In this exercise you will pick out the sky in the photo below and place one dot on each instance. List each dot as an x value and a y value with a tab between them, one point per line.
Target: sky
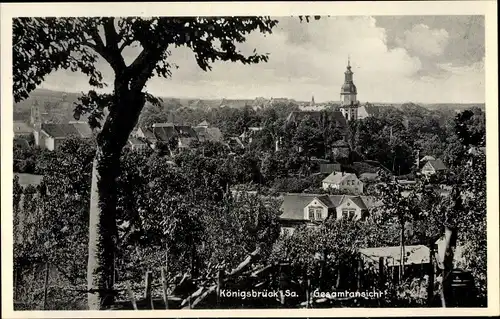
395	59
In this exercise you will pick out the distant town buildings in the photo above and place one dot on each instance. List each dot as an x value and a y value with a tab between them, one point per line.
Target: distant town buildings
348	104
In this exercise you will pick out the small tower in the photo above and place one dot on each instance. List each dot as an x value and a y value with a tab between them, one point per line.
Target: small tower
348	95
35	116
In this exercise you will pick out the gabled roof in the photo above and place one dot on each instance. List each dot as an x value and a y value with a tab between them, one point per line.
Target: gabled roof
204	123
427	158
148	133
21	128
165	124
164	133
437	164
293	204
362	112
135	141
83	128
358	202
328	168
337	177
208	133
325	200
60	130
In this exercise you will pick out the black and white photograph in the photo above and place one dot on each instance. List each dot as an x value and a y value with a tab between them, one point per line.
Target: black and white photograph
236	161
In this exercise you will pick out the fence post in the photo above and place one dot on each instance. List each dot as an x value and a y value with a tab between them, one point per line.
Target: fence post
147	291
280	283
381	274
45	285
131	296
219	285
165	287
360	269
430	284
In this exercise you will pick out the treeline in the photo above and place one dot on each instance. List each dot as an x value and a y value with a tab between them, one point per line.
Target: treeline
281	155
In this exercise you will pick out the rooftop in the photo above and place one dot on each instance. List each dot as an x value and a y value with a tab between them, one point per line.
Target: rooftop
29	179
293	204
337	177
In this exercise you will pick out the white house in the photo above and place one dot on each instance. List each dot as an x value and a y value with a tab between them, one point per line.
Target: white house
342	181
433	167
51	136
313	209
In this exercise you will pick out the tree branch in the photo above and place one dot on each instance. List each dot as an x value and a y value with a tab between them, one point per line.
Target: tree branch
125	43
112	40
110	34
109	51
142	68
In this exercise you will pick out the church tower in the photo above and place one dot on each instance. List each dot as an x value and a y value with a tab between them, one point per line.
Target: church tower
35	116
349	103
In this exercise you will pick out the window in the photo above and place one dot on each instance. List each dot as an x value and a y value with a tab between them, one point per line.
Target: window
348	213
311	213
315	213
318	215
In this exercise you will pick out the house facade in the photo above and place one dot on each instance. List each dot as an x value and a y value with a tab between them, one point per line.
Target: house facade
50	136
432	167
137	144
311	210
342	181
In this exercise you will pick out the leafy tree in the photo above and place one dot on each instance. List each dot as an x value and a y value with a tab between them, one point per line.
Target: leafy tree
243	223
76	44
308	137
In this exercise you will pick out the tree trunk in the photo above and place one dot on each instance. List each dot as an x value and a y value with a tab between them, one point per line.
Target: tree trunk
430	284
450	243
122	118
102	230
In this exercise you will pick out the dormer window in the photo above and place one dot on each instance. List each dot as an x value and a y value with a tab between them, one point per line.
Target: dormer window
315	213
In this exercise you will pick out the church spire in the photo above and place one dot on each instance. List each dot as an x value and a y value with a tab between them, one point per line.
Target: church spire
348	94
